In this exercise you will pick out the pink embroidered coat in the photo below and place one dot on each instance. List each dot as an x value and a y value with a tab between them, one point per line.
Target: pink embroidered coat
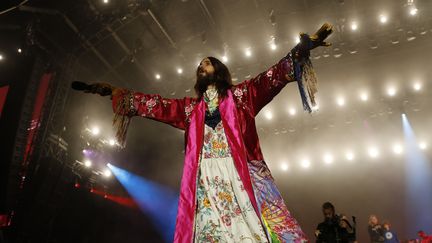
238	111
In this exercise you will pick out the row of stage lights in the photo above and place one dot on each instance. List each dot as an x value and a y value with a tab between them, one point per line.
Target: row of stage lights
341	101
328	158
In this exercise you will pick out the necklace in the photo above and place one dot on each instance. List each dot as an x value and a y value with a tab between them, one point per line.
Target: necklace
211	98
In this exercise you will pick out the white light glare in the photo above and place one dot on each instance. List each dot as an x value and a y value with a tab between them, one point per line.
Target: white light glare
248	52
224	58
112	142
292	111
397	149
422	145
364	96
19	50
179	70
305	163
284	166
87	163
349	155
340	101
268	115
373	152
417	86
95	131
1	57
383	19
391	91
157	76
273	46
107	173
413	11
354	26
297	39
328	158
105	1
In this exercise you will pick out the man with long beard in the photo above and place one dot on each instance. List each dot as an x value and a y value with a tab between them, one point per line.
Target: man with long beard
227	192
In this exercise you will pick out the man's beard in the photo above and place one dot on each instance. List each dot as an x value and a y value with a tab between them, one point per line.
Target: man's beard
204	81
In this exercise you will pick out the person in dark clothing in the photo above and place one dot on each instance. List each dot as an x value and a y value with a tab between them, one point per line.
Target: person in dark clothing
335	228
376	231
389	234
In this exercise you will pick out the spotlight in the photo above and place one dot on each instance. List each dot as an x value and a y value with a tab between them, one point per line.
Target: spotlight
112	142
354	26
397	149
349	155
373	152
383	19
305	163
422	145
364	96
87	163
248	52
95	131
413	11
328	158
292	111
107	173
224	58
340	101
273	46
268	115
19	50
391	91
179	70
105	1
1	57
284	166
157	76
417	86
297	39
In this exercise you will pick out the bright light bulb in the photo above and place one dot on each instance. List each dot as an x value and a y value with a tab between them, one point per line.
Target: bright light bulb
341	101
364	96
268	115
105	1
292	111
413	11
107	173
95	131
19	50
422	145
383	19
373	152
354	26
224	58
328	158
391	91
1	57
87	163
157	76
397	149
349	156
248	52
179	70
305	163
297	39
273	46
417	86
284	166
112	142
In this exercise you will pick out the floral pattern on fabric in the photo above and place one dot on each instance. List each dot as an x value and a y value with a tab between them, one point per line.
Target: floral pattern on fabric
215	143
281	226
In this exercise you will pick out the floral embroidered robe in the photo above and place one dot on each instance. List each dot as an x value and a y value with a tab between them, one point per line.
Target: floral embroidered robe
238	111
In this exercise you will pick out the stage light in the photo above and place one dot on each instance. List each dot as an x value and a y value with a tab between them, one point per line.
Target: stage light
397	149
417	86
87	163
354	26
268	115
284	166
179	70
107	172
95	131
248	52
340	101
422	145
373	152
19	50
297	39
224	58
273	46
383	19
105	1
112	142
292	111
1	57
328	158
305	163
349	156
157	76
364	96
391	91
413	11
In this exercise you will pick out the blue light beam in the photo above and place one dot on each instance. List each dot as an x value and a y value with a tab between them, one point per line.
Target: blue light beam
156	201
418	183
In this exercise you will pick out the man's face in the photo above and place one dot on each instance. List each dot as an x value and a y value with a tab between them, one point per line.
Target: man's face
328	213
205	68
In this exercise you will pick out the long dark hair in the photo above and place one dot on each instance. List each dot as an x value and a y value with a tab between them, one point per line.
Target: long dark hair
221	78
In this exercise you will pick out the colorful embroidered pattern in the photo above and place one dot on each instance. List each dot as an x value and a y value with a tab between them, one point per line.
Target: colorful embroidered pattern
215	142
